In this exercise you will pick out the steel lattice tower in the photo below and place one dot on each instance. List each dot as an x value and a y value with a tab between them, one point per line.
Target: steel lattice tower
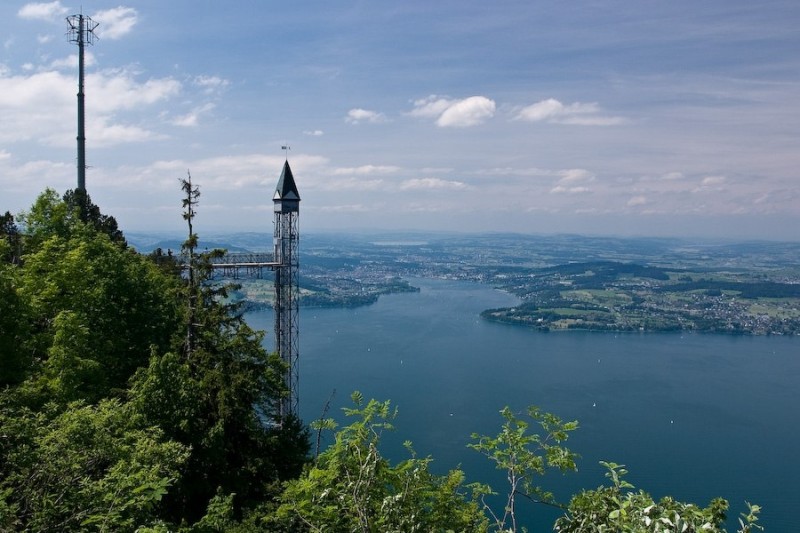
286	202
81	32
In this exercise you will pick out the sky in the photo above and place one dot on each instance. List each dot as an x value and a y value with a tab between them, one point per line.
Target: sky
645	118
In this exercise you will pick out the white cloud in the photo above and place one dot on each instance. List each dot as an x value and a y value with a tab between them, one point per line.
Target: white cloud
636	201
210	84
119	90
71	61
352	208
710	181
577	113
37	89
218	173
574	175
430	107
427	208
352	184
672	176
358	115
314	133
455	113
232	172
560	189
468	112
42	11
34	106
191	119
432	183
33	175
103	132
437	170
366	170
116	22
594	121
573	181
762	199
541	110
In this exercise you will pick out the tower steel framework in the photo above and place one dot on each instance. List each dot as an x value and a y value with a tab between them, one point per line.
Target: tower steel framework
286	265
286	202
81	32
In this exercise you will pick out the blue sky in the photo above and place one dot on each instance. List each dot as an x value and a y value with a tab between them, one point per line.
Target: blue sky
621	118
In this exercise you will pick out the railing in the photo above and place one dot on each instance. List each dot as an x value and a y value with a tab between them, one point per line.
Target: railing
243	264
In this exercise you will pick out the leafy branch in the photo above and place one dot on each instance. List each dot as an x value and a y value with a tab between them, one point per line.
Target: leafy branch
524	456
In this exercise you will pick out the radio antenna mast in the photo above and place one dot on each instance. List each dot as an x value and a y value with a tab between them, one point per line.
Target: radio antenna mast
81	31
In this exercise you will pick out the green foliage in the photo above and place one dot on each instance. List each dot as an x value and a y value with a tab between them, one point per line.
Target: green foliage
132	398
167	262
79	203
82	311
68	373
48	217
523	456
8	511
84	319
53	216
10	239
89	466
618	508
96	309
14	326
219	396
352	487
219	515
211	405
166	394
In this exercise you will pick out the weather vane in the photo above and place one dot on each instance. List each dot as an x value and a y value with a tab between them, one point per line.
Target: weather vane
286	149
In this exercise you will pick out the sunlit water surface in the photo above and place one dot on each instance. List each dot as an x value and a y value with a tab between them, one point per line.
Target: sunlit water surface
694	416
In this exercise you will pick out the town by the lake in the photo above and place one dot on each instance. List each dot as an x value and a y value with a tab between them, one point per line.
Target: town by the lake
563	282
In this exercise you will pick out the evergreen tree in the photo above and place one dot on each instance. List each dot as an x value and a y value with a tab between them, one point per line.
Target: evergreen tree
96	310
9	232
220	396
80	203
133	397
15	360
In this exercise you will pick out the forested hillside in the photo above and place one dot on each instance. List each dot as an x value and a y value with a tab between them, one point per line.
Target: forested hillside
133	398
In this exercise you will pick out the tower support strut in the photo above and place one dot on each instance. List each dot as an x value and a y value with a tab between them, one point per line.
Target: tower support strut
285	262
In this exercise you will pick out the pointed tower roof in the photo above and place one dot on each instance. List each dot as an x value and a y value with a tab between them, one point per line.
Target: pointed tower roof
286	189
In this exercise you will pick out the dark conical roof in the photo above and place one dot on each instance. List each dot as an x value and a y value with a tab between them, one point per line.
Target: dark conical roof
286	189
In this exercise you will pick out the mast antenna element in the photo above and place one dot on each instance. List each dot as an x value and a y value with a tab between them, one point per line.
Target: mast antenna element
81	32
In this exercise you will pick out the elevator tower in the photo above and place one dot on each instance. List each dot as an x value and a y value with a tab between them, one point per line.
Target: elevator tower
284	262
286	202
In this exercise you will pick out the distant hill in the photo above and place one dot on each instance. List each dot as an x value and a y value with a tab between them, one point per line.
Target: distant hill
233	242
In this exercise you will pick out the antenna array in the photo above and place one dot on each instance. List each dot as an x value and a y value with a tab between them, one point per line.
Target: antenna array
81	32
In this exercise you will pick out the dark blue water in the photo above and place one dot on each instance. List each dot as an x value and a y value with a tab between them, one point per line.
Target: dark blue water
693	416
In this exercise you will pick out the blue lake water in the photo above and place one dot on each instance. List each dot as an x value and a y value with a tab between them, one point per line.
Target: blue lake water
693	416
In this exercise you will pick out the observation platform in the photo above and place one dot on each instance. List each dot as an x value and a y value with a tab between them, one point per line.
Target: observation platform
243	264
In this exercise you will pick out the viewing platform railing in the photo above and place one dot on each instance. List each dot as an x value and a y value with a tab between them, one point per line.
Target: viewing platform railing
243	264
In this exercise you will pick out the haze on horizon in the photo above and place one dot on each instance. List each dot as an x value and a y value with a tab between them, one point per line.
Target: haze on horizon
621	118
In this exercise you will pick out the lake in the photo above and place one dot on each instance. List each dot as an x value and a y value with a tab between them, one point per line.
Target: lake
690	415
